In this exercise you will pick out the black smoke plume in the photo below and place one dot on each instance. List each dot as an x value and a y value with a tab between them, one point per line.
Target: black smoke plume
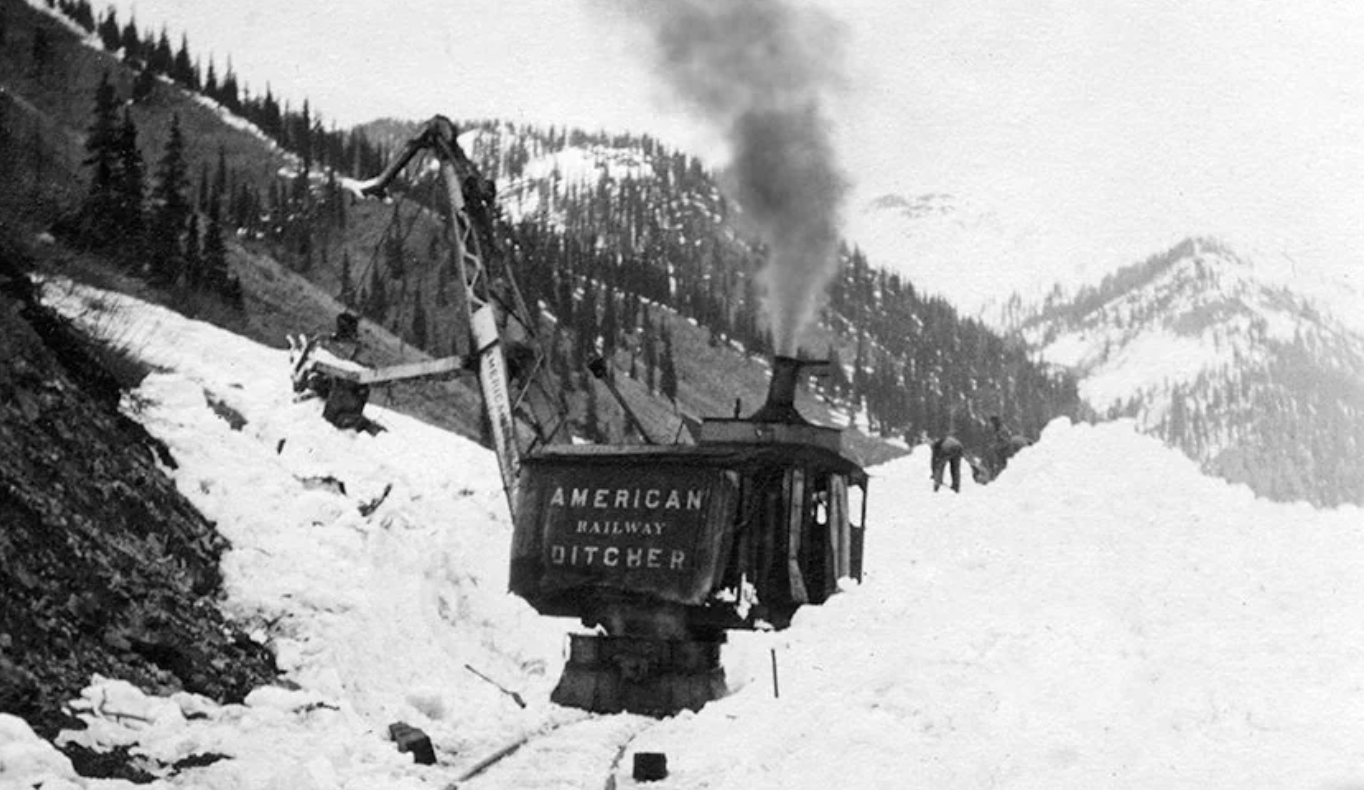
762	71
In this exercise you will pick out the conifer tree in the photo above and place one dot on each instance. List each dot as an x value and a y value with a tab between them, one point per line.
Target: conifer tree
216	275
211	84
276	210
838	378
160	58
631	319
610	323
171	211
234	294
592	426
109	34
647	340
201	200
563	295
227	92
338	196
419	332
129	186
8	149
668	369
182	68
305	251
250	209
376	300
39	154
194	255
587	325
97	221
83	15
859	376
219	186
131	42
264	110
144	84
304	138
347	295
395	259
558	361
41	51
300	196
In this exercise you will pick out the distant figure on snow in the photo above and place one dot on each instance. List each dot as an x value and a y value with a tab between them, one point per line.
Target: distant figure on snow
1004	445
947	453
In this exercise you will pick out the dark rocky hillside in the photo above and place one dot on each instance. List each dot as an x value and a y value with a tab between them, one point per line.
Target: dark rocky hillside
104	567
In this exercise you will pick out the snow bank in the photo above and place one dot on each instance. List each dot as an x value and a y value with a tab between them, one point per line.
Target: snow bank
1101	616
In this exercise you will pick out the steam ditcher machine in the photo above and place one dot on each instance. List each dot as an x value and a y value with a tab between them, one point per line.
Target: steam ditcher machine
659	549
664	548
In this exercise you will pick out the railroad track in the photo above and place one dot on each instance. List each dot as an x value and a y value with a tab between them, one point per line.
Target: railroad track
584	753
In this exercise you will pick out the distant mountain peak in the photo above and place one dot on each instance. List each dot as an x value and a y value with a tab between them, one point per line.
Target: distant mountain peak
946	244
1219	356
914	206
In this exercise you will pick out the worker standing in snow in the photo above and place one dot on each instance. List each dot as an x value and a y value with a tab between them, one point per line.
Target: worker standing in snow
947	454
1001	445
1004	445
343	400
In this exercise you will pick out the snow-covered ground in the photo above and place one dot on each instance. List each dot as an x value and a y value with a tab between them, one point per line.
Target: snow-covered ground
1101	617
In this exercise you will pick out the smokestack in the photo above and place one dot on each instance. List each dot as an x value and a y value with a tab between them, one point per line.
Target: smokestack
781	393
777	422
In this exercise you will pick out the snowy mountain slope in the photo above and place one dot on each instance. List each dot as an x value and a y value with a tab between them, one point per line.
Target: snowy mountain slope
548	173
577	168
1224	359
945	244
1101	616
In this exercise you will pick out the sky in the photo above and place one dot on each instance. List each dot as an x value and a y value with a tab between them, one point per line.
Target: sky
1095	134
1026	634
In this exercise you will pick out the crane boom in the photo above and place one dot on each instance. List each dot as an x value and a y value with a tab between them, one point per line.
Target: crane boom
485	341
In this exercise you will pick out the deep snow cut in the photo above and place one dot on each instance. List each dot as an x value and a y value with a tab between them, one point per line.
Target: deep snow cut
1100	616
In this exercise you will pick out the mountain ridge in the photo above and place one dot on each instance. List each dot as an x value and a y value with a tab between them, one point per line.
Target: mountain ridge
1249	378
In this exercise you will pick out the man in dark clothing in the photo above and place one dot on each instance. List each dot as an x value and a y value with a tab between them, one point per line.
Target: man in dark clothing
347	329
1001	432
343	400
947	453
1001	446
1004	445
